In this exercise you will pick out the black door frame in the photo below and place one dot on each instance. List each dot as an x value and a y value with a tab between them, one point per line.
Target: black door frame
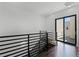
64	29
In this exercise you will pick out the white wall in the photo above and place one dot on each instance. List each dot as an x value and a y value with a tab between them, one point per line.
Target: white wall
16	21
68	11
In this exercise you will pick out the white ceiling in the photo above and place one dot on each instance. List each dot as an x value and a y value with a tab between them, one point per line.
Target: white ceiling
44	7
40	8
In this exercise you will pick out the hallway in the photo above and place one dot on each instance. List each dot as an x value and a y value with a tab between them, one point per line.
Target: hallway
61	50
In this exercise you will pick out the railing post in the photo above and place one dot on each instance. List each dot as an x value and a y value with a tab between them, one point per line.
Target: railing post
28	47
47	40
39	41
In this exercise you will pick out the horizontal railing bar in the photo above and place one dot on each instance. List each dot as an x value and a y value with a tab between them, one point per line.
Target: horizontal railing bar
20	54
16	52
13	43
31	51
36	33
33	39
12	50
33	47
12	46
13	36
12	39
33	44
20	35
25	56
34	53
33	36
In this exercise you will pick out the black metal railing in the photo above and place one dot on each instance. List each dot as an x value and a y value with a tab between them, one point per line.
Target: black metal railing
50	35
24	45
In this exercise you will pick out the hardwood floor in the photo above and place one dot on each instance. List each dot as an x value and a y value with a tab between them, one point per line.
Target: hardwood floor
61	50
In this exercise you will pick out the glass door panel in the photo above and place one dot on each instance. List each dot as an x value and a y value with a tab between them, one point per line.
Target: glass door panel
60	29
70	29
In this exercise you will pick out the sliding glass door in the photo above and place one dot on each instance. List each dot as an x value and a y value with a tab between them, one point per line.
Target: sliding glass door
66	29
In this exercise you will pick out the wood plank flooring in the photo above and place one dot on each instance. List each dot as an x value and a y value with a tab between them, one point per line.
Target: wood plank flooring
61	50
